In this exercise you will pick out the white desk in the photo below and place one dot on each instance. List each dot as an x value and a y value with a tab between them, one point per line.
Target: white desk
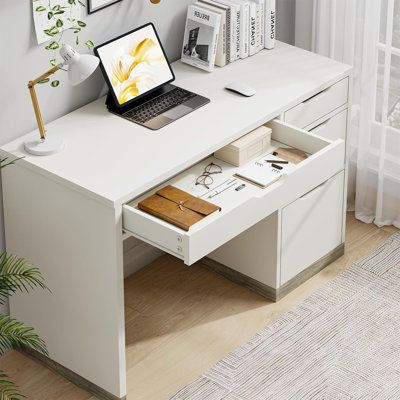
64	212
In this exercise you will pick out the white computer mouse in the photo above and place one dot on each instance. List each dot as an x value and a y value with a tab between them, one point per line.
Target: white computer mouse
241	88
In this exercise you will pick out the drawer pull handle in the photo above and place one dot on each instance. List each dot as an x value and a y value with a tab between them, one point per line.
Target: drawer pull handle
320	126
321	93
314	191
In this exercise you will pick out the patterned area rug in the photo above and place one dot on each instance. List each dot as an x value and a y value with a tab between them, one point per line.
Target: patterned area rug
343	342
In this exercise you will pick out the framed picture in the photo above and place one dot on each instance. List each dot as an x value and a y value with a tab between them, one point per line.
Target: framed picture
97	5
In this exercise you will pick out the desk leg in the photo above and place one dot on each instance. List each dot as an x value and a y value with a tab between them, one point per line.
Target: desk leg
76	242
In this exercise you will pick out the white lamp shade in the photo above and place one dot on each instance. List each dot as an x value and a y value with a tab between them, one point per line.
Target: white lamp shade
80	66
81	70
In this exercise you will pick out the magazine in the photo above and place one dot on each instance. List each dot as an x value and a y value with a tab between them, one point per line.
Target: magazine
221	58
201	37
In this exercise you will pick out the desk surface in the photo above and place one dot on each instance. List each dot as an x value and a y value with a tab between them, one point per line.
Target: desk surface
115	160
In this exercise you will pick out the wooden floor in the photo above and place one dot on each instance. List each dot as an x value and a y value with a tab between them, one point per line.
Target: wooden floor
180	321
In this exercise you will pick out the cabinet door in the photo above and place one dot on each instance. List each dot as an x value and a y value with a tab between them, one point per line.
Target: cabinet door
311	227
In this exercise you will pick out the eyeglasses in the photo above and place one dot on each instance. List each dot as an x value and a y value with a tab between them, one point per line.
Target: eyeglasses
206	178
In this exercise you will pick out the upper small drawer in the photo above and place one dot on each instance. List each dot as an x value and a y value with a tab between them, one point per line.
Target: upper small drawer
332	128
318	105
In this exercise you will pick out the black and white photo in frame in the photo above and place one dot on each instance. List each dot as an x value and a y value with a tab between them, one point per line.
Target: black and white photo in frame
97	5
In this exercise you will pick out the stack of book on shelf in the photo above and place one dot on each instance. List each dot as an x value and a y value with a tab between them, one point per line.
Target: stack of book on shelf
219	32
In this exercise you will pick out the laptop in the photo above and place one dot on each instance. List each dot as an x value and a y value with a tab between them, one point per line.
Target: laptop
139	77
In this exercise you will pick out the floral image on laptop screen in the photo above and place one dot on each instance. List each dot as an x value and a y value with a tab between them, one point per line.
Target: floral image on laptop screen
135	64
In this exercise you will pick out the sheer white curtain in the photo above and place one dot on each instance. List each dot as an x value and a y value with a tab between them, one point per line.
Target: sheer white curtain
365	34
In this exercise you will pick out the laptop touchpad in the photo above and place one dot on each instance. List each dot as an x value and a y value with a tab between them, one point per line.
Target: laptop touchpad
177	112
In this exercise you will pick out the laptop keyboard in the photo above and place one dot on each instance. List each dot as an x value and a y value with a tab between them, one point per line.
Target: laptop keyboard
159	105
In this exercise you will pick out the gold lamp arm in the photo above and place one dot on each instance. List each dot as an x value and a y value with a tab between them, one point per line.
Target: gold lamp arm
31	87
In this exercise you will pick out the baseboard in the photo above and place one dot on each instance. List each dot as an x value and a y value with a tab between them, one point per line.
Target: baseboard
76	379
138	257
239	278
313	269
265	290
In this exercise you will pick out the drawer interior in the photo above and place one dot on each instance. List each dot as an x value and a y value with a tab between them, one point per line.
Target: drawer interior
225	182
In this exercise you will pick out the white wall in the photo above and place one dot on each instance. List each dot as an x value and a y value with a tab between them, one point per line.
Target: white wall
303	23
22	59
286	14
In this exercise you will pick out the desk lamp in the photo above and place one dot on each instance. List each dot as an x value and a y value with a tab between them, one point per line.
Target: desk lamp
80	67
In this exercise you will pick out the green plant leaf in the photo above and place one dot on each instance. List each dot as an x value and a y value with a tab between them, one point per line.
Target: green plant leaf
53	62
50	15
72	2
44	81
81	24
55	83
40	8
15	334
52	46
8	389
77	40
59	12
89	44
59	23
51	31
17	274
56	8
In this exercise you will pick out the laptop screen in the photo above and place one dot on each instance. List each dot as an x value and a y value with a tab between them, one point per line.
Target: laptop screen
134	64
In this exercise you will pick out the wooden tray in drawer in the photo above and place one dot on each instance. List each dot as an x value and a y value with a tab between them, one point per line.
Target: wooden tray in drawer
240	209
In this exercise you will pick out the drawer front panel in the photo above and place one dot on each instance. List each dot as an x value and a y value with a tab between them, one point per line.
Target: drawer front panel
240	210
333	128
319	105
311	227
154	231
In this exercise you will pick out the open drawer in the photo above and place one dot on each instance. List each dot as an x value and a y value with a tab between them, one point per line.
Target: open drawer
239	209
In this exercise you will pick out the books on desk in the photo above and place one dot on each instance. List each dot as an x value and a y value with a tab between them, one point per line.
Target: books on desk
219	32
201	38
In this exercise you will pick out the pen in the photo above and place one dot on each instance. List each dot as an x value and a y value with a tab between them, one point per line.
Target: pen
276	166
222	190
227	182
277	161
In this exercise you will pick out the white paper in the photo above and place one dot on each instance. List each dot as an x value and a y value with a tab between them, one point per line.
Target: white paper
54	16
262	173
96	4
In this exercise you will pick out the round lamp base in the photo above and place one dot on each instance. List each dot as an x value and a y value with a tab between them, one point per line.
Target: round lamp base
44	147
